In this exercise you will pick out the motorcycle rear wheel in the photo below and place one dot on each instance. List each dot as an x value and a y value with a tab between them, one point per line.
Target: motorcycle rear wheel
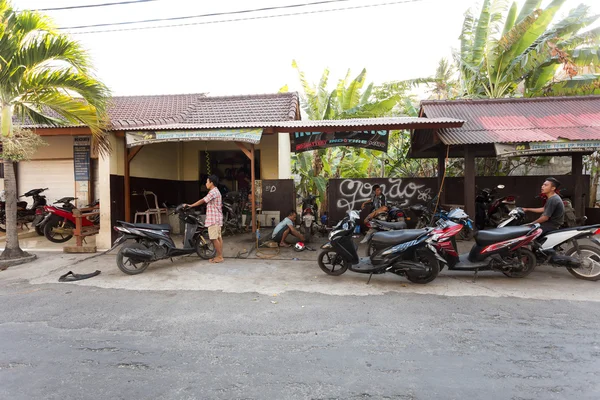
205	247
590	253
428	259
328	261
128	266
56	237
529	261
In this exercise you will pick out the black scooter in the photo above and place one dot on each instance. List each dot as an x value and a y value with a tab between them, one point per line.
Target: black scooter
152	242
24	214
405	253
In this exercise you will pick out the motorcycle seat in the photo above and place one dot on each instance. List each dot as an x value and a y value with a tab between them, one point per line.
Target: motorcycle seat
487	237
395	237
156	227
392	226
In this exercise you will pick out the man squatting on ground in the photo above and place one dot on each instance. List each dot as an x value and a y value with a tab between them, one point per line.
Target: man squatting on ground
553	211
214	215
284	228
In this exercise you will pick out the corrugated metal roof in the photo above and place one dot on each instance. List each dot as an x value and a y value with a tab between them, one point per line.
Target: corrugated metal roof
294	126
518	120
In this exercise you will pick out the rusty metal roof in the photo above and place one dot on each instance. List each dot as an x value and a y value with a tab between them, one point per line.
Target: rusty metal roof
310	125
517	120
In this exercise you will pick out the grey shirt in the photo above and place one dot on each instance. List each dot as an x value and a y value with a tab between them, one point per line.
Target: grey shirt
555	210
282	226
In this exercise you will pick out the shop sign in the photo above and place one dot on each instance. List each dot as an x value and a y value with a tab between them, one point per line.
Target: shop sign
307	141
223	135
82	147
536	148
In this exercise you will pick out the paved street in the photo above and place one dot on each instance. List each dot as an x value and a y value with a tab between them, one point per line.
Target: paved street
242	331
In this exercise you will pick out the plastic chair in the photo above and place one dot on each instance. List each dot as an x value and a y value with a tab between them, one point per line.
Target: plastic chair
156	211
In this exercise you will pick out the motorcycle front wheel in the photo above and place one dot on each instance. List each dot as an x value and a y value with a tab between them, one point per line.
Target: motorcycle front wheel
529	262
126	264
58	237
590	258
427	258
332	263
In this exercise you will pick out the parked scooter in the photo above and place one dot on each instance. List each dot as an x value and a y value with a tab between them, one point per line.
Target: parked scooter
59	226
405	253
147	243
561	248
500	249
459	216
25	215
232	213
489	210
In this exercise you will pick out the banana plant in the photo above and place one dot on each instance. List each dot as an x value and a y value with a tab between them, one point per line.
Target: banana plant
505	52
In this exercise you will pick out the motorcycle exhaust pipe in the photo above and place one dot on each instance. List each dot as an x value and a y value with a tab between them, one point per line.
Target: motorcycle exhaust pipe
410	266
560	260
138	255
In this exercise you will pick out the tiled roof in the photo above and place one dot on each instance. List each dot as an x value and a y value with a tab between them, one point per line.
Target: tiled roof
326	125
161	111
518	120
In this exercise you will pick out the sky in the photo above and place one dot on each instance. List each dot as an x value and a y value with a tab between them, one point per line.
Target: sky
393	42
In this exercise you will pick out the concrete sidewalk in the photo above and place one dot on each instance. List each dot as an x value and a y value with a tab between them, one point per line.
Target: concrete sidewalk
276	276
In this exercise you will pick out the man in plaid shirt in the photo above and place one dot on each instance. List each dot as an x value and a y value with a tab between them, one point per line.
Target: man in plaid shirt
214	215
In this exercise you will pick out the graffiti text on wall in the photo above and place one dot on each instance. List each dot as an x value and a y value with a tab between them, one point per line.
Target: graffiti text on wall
353	193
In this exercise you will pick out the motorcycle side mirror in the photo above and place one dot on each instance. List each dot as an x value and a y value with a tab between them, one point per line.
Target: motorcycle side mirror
500	186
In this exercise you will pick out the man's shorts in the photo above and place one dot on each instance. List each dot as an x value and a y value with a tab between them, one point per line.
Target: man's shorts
214	232
279	237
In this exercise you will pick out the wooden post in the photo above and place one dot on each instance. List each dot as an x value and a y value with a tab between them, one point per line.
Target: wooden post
77	233
441	171
253	197
250	155
127	188
469	181
129	156
577	172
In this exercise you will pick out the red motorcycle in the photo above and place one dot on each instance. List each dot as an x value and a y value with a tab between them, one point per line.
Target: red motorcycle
60	223
501	249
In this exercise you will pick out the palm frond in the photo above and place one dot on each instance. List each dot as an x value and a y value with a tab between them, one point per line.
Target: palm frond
528	8
511	18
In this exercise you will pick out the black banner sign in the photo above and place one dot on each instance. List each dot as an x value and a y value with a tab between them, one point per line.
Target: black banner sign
306	141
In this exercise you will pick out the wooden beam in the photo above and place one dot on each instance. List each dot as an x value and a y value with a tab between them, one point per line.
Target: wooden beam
578	195
469	178
131	153
245	149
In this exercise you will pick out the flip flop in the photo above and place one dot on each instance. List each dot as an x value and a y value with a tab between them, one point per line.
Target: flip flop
215	261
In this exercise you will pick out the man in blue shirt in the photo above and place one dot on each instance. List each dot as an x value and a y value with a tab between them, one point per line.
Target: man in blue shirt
284	228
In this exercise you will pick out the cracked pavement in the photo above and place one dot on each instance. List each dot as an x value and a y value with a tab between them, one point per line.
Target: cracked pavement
236	333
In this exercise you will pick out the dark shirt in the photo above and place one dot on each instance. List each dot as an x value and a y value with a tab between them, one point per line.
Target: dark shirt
378	201
555	210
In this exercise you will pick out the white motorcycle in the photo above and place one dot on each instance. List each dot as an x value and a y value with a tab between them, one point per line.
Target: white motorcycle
561	248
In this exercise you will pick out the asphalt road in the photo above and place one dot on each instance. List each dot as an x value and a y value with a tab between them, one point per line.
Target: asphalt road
63	341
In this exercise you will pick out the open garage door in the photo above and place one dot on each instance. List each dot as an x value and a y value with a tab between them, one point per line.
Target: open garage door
56	175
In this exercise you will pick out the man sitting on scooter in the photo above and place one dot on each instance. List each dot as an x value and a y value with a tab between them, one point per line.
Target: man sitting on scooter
378	204
553	211
284	228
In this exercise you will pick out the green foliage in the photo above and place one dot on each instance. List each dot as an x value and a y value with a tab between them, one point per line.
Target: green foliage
506	54
46	76
351	98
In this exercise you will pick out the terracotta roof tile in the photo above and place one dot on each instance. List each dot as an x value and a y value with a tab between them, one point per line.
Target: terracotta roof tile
193	109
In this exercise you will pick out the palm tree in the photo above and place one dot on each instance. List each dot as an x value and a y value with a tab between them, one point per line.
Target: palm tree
45	78
506	52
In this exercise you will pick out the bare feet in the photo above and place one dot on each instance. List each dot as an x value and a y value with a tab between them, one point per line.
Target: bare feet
216	260
284	245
